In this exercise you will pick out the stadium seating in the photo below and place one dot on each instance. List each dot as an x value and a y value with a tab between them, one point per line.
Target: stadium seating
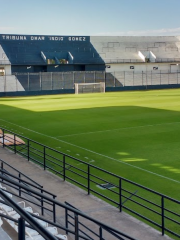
125	49
8	211
29	52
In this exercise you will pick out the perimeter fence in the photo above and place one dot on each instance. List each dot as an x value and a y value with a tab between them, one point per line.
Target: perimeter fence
44	81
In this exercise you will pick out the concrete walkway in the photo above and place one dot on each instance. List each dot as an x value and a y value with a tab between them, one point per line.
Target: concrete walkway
89	204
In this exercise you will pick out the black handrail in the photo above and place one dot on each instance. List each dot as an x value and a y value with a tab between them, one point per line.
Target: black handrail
25	216
3	162
39	187
64	206
60	162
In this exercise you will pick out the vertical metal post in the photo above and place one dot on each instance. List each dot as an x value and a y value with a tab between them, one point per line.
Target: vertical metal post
124	78
54	211
44	158
19	187
114	79
64	167
21	229
42	204
142	78
51	82
151	78
100	233
88	179
40	80
133	78
28	81
168	77
162	214
2	169
120	194
5	82
76	227
177	76
66	219
160	77
63	80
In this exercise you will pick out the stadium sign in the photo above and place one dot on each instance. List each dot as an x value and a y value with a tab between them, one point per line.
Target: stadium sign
42	38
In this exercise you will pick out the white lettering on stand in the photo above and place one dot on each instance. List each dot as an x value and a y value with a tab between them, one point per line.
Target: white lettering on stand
42	38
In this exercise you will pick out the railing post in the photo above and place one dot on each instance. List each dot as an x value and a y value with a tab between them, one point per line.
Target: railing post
21	229
42	204
162	214
177	76
160	77
151	78
142	78
76	227
64	167
168	77
19	187
100	233
44	158
54	211
88	179
120	194
2	169
28	83
66	219
28	149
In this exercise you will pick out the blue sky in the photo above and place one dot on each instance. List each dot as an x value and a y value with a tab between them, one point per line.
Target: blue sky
93	17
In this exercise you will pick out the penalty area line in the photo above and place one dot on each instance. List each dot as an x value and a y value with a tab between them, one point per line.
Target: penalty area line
117	129
102	155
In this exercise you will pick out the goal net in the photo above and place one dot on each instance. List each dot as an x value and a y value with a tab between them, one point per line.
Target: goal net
89	87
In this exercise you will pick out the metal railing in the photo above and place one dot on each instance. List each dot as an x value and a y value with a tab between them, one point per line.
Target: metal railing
156	209
24	217
64	81
5	168
79	217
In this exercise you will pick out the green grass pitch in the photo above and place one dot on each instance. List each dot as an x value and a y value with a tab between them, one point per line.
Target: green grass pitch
133	134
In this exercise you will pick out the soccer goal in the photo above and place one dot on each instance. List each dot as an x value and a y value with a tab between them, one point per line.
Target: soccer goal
89	87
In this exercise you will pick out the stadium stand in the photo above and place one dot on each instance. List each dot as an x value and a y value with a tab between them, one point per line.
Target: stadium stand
30	63
125	49
49	52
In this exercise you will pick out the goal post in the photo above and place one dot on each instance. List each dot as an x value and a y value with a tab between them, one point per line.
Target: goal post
89	87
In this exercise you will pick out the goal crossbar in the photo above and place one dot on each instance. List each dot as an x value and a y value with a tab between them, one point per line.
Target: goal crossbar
89	87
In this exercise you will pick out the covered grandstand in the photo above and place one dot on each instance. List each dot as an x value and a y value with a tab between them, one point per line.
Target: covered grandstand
46	63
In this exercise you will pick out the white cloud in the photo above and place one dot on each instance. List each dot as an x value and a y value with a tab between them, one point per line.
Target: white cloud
155	32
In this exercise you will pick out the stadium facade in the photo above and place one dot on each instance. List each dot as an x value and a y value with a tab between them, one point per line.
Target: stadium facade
119	56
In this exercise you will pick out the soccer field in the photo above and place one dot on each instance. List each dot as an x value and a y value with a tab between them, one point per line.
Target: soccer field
133	134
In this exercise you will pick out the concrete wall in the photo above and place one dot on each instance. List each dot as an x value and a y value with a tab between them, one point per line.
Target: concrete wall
138	67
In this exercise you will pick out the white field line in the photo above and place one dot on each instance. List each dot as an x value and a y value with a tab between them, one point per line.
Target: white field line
142	169
117	129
